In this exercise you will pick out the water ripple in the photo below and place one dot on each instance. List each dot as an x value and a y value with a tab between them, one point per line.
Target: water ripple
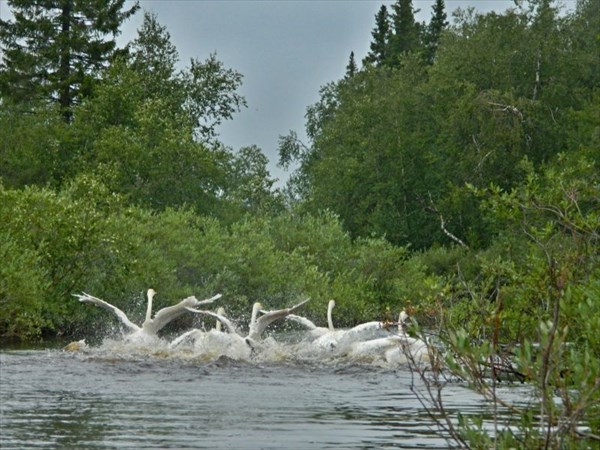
99	400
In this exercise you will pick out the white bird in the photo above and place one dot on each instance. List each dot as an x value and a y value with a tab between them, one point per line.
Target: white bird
330	338
196	333
216	343
396	349
151	326
314	330
257	324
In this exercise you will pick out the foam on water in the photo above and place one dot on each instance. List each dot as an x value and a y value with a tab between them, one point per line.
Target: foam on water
213	345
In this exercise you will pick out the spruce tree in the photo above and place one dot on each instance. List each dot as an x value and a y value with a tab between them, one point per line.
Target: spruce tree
406	31
351	68
54	49
154	57
434	30
379	46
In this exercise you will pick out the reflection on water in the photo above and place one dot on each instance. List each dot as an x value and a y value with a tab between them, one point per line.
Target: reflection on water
95	399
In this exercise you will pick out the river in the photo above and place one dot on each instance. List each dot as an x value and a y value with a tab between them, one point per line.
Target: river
112	396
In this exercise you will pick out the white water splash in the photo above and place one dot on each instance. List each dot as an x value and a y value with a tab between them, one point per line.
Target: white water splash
207	346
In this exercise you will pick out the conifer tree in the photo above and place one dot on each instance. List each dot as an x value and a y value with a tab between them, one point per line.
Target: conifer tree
351	68
206	91
153	52
379	46
405	36
434	30
54	49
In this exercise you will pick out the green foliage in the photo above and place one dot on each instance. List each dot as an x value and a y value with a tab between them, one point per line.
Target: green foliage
56	50
433	31
249	186
406	33
147	132
378	52
30	151
360	167
562	372
85	238
151	158
22	290
395	152
533	304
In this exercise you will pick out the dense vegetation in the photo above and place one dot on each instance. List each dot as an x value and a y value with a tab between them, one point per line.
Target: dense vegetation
455	173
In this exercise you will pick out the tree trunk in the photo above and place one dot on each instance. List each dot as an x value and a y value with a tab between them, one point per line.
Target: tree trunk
65	97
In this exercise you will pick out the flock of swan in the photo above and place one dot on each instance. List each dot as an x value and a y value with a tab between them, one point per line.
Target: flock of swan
368	341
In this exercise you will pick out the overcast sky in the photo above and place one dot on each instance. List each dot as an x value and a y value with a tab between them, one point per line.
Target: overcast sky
285	50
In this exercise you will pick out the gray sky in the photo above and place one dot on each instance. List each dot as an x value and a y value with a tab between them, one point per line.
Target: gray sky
286	50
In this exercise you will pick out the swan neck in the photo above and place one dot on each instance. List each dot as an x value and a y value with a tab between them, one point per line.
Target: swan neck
329	315
255	309
149	309
401	319
219	325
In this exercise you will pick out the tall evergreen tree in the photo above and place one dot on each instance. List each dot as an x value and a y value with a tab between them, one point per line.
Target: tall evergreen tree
152	51
379	46
351	68
405	36
434	30
203	95
54	49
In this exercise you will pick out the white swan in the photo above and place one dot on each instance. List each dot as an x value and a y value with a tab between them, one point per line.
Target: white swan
396	349
216	343
218	324
195	333
330	338
257	324
151	326
314	330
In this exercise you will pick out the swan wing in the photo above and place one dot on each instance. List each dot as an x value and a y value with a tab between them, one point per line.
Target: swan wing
329	340
178	340
166	315
87	298
367	326
302	321
257	328
208	301
362	329
374	345
224	320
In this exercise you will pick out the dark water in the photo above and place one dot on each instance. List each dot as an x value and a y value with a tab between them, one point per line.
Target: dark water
56	399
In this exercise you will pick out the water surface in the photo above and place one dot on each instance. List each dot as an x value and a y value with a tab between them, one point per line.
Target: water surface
101	398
